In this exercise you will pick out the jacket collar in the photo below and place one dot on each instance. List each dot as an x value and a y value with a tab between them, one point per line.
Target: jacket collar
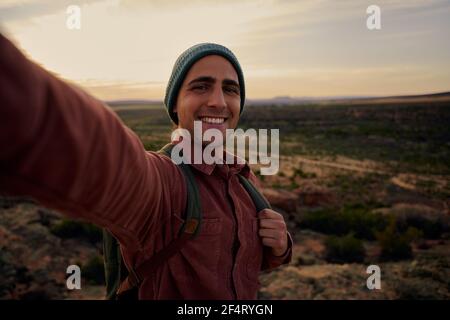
225	170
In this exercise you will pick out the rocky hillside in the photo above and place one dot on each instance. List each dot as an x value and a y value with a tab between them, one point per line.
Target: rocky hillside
37	245
35	251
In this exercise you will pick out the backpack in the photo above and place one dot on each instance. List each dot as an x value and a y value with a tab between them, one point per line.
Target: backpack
123	284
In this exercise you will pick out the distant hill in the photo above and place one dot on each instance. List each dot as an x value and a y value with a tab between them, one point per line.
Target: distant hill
113	103
441	96
287	100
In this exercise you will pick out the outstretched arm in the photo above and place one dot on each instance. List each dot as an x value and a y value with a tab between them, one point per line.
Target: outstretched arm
68	151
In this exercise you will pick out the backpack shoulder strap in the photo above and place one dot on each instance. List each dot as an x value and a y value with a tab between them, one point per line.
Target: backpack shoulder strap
189	229
117	280
258	199
193	210
115	270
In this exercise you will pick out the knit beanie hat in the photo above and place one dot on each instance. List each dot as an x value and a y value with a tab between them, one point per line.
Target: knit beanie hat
186	60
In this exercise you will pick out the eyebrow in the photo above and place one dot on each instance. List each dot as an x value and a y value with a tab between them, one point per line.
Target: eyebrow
213	80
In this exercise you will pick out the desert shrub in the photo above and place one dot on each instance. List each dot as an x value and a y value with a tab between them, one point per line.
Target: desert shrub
7	274
433	223
277	185
431	229
396	245
355	219
259	175
93	271
417	289
344	249
153	145
298	172
293	185
6	203
76	229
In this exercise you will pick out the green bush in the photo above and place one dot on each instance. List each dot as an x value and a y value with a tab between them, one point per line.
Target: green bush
344	249
259	175
277	185
76	229
355	219
431	229
153	145
293	185
298	172
93	271
418	289
394	244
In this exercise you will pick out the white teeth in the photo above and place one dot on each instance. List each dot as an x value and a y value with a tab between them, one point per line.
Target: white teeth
212	120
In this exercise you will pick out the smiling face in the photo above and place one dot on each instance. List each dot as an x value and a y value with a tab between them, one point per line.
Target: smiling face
209	93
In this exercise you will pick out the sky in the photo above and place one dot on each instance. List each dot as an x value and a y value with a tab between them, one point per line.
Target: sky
125	49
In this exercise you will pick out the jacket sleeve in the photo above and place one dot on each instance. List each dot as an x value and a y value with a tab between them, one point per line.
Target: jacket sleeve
269	260
70	152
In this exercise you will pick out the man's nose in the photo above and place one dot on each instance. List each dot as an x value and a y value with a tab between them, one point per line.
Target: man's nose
217	98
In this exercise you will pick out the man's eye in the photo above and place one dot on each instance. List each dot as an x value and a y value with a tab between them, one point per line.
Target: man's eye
200	87
231	89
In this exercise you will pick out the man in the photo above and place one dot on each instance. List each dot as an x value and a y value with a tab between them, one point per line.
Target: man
68	151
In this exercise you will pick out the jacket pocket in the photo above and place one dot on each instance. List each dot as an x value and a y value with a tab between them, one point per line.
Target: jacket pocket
199	256
208	227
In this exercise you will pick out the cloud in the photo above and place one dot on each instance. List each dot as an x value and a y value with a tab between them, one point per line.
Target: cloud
286	47
116	90
25	10
171	4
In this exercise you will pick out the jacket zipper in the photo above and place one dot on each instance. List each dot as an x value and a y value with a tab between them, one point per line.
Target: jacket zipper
234	246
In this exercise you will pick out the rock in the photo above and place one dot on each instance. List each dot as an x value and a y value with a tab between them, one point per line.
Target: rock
408	211
314	196
33	261
282	199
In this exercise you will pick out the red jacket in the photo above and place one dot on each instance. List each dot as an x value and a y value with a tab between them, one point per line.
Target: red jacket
71	153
